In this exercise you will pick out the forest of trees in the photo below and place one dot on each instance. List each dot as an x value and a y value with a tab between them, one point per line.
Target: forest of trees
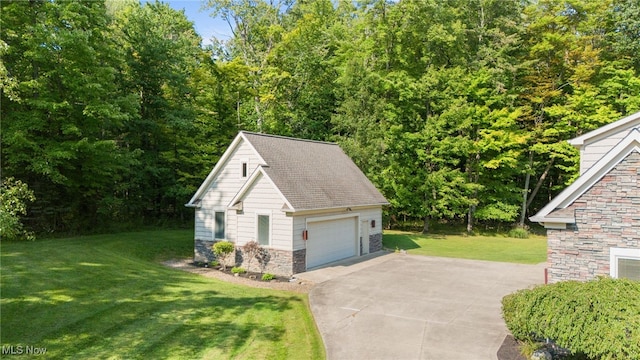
113	112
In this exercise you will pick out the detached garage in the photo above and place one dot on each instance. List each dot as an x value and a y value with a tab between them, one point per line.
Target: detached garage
305	202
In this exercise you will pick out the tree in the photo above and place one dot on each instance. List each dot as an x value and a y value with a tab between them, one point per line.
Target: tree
257	27
62	117
14	196
162	54
572	86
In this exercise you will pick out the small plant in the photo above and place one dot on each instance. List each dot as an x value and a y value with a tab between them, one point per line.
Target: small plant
215	263
251	250
519	233
267	277
223	250
238	270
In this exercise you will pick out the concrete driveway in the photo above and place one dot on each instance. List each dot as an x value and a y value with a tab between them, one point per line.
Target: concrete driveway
399	306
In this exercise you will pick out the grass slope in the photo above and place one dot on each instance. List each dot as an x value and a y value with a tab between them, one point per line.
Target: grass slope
491	248
107	296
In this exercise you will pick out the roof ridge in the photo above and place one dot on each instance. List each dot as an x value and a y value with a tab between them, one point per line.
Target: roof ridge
288	138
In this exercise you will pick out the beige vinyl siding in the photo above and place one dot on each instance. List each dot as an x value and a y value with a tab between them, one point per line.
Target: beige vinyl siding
262	198
300	222
204	224
232	226
222	189
595	150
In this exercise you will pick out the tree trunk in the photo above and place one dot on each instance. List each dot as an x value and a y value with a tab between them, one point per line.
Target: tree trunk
540	181
425	229
525	191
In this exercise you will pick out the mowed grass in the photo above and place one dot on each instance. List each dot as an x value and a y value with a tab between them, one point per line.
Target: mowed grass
491	248
108	296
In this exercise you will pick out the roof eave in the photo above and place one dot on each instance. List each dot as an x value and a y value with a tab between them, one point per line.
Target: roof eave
611	127
337	207
544	219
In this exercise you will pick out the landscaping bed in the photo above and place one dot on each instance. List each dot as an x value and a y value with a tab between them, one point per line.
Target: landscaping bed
248	278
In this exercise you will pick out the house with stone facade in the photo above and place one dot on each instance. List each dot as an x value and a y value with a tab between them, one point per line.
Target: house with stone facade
593	226
305	202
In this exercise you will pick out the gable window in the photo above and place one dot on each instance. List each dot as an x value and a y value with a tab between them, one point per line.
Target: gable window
244	168
219	225
625	263
264	229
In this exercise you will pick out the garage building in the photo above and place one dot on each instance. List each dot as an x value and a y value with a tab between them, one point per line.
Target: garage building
305	202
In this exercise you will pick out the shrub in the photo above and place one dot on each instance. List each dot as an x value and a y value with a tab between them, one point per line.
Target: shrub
14	196
519	233
223	250
238	270
599	318
267	277
251	251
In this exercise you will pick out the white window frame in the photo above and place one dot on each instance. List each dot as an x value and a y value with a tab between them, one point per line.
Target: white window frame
224	223
620	253
270	215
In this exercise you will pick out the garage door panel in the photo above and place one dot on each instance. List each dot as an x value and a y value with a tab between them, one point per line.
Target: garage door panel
331	240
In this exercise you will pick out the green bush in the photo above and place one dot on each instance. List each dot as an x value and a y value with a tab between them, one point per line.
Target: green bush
519	233
599	318
223	250
267	277
14	196
238	270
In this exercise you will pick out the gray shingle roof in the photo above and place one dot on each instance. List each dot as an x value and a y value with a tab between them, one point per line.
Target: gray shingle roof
313	174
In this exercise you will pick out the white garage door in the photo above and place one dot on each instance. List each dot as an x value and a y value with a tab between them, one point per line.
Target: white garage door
331	240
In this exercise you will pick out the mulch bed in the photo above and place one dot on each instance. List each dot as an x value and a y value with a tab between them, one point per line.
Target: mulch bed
510	350
247	279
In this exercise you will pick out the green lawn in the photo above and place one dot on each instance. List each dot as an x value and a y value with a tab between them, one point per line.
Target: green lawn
492	248
107	296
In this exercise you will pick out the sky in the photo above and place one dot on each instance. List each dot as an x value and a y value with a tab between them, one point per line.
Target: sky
205	25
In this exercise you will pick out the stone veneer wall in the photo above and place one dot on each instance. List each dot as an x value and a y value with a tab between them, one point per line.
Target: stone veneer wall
375	242
607	215
202	251
280	262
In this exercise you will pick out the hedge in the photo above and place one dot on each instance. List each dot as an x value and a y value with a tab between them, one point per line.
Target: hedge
599	318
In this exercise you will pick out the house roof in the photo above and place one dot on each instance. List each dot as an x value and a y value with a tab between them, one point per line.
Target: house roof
557	210
629	122
309	174
313	174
